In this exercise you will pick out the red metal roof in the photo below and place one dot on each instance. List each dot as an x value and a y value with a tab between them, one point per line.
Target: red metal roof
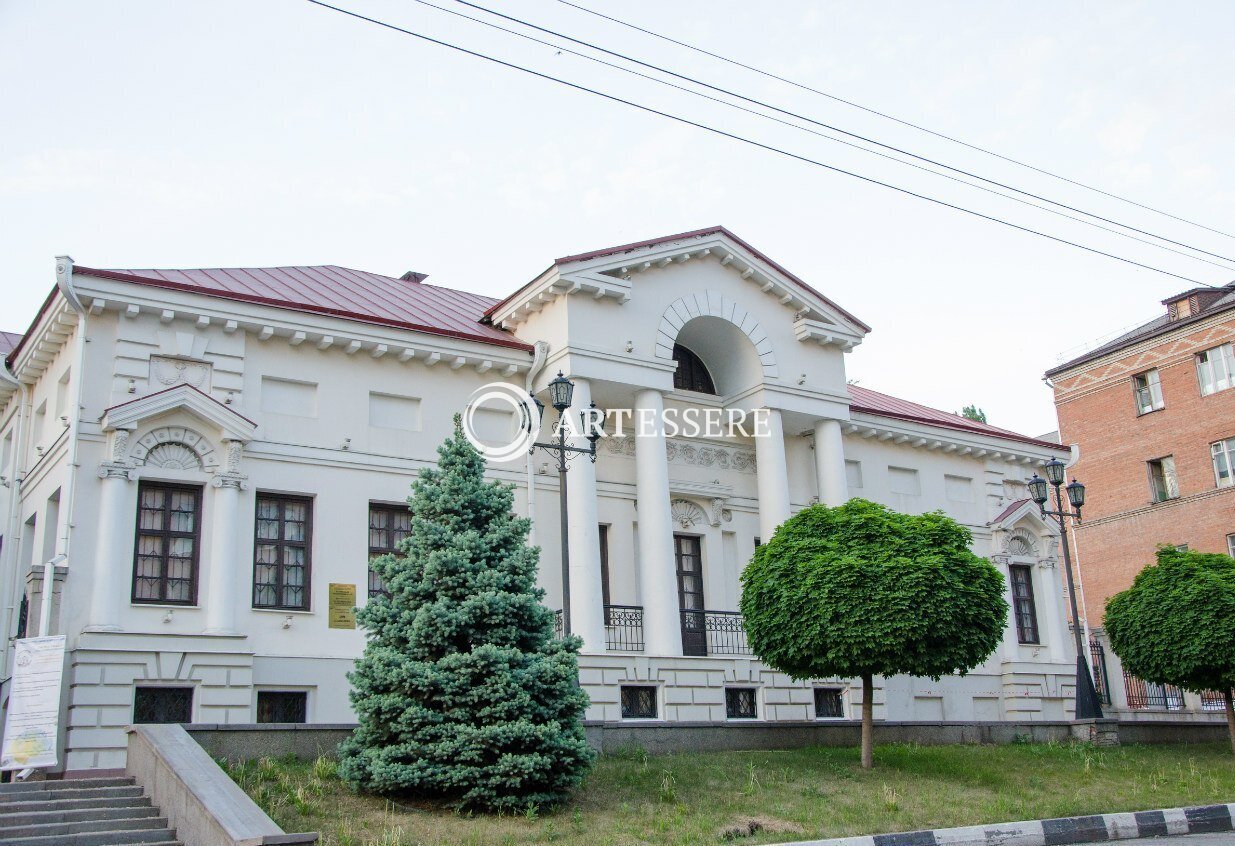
9	341
873	402
698	233
339	291
1007	512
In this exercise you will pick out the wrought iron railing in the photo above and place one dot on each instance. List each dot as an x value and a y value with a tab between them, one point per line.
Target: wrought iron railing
1213	700
624	628
713	633
557	623
1141	694
1097	658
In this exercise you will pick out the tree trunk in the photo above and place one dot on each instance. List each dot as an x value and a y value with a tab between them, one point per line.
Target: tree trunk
1230	716
868	720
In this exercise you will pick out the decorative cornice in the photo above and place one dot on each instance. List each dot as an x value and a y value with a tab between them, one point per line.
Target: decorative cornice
947	441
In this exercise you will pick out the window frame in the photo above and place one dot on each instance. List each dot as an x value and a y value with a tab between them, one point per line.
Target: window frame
1230	545
375	551
1227	446
166	534
303	696
1224	354
840	701
1148	382
307	544
655	701
1170	481
1025	619
192	694
731	696
691	374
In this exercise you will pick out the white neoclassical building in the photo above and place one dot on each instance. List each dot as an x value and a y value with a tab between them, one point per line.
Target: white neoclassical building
204	460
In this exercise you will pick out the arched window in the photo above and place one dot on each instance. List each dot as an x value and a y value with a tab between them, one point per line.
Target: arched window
691	374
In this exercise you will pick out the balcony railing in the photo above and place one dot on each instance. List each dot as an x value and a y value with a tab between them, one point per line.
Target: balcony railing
713	633
1142	694
623	627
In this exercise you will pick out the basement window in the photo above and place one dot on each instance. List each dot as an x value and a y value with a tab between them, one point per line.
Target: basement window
638	702
282	706
163	705
829	704
741	703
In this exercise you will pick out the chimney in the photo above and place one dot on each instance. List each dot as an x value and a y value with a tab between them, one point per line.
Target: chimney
413	276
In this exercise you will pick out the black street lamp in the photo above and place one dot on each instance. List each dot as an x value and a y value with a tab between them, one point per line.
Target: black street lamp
561	392
1087	705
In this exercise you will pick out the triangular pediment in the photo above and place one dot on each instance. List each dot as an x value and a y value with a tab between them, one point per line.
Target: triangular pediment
186	398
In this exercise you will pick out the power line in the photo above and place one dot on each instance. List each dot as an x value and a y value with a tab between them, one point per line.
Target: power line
893	118
782	121
735	137
834	128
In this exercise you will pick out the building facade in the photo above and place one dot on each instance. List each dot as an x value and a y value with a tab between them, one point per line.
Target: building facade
203	461
1152	420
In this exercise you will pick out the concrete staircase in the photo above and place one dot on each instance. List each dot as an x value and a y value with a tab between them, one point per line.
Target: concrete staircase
81	812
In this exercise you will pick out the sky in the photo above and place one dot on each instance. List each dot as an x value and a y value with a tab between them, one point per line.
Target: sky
233	133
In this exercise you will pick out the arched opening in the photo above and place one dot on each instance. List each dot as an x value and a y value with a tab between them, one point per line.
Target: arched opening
692	374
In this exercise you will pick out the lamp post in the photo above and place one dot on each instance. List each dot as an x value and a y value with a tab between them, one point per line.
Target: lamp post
1087	705
561	392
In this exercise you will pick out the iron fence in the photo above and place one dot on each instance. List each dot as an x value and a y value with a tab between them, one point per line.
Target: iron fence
1213	700
1143	695
713	633
1097	658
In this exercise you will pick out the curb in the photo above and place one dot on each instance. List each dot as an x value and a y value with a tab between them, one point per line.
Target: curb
1099	828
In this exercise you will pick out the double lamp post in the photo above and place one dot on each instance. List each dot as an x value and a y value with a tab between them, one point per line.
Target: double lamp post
1088	706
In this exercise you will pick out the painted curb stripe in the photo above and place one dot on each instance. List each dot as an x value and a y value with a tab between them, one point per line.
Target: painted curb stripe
907	838
1074	830
1151	824
1208	819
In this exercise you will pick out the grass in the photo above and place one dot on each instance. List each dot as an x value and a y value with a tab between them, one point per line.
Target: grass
633	798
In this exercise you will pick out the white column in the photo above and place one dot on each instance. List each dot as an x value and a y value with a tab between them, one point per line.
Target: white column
662	623
587	618
830	463
772	474
113	577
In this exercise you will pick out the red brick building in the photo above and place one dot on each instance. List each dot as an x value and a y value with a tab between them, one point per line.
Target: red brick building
1151	417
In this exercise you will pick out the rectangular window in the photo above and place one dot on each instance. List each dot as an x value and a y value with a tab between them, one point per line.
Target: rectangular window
1230	545
829	704
1162	482
165	552
904	480
1147	388
388	526
604	568
163	705
282	706
1215	369
638	702
1223	453
281	552
1023	604
741	703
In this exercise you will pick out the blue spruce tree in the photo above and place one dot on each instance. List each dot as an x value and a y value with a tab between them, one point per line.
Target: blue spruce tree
463	694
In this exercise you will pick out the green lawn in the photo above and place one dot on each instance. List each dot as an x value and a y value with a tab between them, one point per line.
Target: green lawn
709	797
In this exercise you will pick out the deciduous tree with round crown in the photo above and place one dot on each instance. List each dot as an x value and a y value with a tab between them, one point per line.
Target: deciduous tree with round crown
1176	624
860	590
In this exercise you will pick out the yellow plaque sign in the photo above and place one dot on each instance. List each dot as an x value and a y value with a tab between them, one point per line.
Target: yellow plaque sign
342	613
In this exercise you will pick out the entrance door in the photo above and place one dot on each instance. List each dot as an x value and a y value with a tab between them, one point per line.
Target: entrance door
687	551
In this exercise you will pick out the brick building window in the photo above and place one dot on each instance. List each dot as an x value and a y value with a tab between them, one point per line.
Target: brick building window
1223	453
1230	545
1215	369
1147	387
1162	482
1023	603
829	703
741	703
388	526
281	552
